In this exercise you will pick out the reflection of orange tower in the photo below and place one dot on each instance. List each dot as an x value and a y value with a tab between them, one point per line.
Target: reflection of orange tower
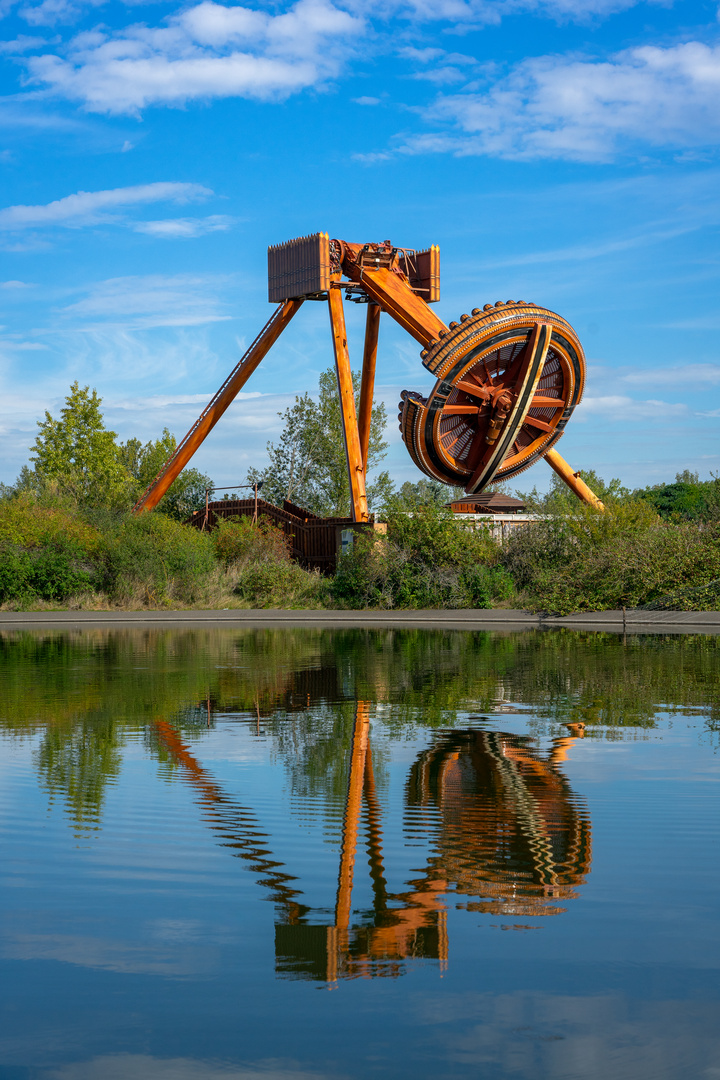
510	833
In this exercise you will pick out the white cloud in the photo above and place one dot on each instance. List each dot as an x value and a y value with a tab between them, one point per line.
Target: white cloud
184	228
152	300
21	44
465	14
15	285
366	100
622	408
21	346
91	207
560	107
688	375
206	51
163	401
441	76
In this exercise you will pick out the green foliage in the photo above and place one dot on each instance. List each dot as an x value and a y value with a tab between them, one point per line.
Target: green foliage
53	572
280	584
144	462
258	559
559	499
28	523
688	499
79	455
239	540
308	465
423	492
156	560
427	560
625	557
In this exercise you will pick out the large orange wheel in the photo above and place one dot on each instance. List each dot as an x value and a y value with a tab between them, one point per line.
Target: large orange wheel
508	380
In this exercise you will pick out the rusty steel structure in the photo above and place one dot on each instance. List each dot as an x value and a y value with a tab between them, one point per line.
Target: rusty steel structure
508	375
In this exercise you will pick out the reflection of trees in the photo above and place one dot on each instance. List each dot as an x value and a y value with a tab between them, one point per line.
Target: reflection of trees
77	761
88	689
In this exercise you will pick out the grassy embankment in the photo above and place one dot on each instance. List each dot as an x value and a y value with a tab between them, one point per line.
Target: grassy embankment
53	556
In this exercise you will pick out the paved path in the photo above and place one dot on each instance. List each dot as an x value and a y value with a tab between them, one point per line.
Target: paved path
643	622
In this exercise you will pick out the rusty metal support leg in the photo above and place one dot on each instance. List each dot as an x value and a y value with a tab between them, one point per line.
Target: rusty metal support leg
573	479
375	857
367	386
356	471
352	814
224	397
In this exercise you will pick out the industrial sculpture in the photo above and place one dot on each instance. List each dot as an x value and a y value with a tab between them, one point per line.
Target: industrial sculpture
508	375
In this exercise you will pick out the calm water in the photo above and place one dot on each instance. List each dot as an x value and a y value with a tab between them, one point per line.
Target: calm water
285	855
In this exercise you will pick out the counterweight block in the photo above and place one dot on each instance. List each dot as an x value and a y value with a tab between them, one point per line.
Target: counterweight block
508	380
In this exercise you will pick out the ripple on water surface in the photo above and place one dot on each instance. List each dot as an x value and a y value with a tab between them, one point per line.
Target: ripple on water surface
235	854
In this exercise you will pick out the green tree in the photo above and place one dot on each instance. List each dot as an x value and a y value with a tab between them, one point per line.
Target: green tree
559	499
144	462
424	493
688	499
78	455
308	465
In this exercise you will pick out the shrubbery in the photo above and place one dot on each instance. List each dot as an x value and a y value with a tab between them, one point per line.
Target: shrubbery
52	573
575	559
625	557
257	560
155	560
427	560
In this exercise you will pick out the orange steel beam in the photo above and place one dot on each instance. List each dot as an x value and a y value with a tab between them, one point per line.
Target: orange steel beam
573	479
224	397
234	823
394	295
356	468
352	814
367	385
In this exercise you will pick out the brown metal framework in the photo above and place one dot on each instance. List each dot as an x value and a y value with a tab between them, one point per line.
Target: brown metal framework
508	376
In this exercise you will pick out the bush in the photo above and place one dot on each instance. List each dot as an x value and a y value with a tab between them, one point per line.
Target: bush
239	540
625	557
54	572
280	584
27	523
427	560
155	559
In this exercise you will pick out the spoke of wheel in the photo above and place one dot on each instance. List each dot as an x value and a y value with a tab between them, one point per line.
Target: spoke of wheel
447	448
541	401
478	392
461	410
542	424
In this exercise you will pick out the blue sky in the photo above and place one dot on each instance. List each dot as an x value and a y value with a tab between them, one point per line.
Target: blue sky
559	151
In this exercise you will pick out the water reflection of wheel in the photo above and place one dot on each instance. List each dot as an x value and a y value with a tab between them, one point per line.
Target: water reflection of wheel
511	831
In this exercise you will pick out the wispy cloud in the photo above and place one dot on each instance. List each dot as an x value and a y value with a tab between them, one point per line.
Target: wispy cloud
583	110
464	14
691	374
185	228
21	346
91	207
619	407
152	300
206	51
